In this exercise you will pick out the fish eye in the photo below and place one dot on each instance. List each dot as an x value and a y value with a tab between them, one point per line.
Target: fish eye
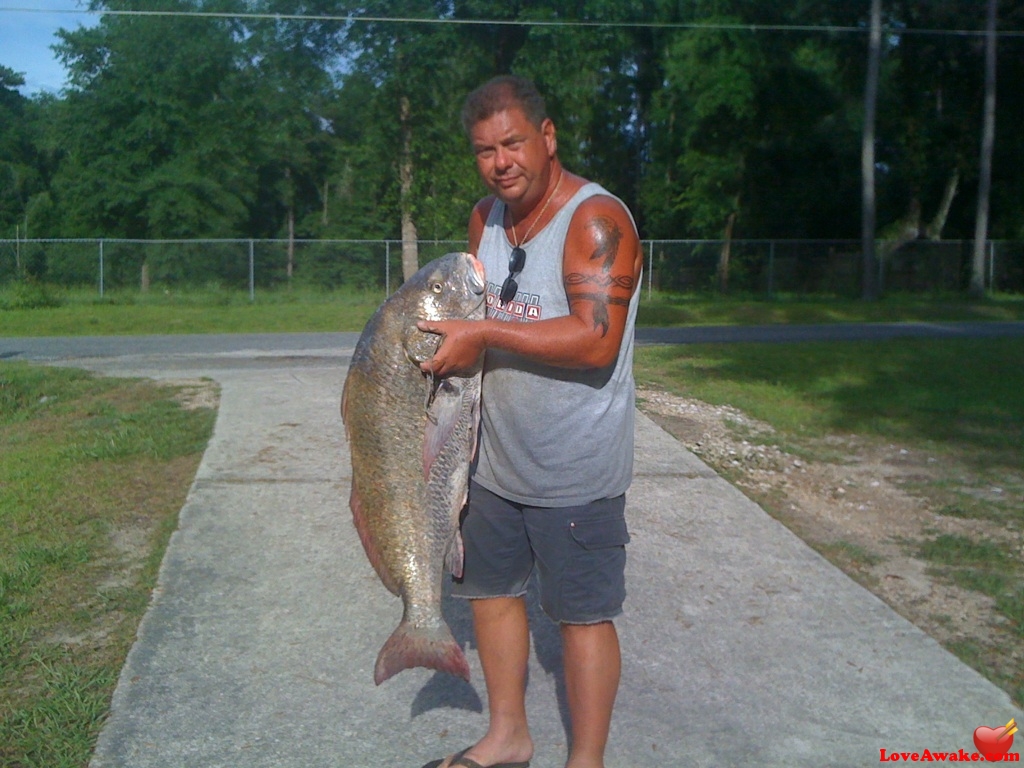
436	287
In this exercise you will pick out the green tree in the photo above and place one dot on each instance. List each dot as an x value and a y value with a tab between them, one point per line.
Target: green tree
155	131
585	74
419	78
20	177
1007	220
190	127
924	140
292	62
714	110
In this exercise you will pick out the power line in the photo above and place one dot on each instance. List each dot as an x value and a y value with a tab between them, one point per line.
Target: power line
350	19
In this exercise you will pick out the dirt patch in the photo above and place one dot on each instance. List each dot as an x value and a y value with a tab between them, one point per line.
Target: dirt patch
194	394
869	507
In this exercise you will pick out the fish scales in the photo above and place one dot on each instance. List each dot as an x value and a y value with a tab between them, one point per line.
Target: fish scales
411	440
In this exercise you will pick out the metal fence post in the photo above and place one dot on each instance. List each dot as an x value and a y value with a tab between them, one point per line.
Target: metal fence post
992	266
881	273
650	268
688	261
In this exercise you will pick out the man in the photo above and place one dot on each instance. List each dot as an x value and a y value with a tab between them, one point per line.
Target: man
563	263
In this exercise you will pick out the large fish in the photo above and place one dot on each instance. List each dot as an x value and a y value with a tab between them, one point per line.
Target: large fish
412	438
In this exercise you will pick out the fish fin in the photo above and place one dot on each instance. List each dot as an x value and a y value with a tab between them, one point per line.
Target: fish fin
453	559
410	646
355	503
419	345
442	418
474	430
433	383
344	406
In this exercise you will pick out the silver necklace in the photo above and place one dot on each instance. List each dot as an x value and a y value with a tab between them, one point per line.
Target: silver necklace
516	243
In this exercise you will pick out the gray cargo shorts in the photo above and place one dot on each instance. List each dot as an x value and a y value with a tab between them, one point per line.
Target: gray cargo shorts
579	553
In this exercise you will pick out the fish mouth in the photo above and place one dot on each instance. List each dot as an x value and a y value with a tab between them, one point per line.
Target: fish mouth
477	283
479	303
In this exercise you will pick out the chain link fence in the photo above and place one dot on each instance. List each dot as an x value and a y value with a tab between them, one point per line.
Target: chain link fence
754	267
115	264
830	267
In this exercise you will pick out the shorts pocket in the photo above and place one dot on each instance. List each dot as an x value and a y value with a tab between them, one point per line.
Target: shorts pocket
600	532
593	585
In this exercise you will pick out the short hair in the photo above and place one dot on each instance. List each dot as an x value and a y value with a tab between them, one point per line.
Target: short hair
499	94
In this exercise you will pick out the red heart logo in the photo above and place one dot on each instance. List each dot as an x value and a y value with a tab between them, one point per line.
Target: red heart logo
993	743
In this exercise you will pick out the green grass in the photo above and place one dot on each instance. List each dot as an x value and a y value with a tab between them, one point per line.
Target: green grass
1012	606
967	392
851	555
950	549
39	310
960	400
663	309
84	313
980	566
88	464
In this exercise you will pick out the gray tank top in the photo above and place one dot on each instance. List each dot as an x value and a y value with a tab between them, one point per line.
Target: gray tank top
550	437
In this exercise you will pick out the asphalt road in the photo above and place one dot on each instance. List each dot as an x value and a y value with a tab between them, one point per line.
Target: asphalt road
182	348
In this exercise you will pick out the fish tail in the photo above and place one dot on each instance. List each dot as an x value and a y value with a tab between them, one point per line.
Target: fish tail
411	646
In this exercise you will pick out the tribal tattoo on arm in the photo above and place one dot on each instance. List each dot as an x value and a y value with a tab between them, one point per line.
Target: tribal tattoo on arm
607	235
598	288
601	300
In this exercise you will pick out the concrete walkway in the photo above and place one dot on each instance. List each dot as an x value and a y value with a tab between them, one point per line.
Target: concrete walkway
741	646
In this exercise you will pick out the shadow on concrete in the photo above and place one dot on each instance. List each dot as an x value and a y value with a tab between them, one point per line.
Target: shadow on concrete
444	691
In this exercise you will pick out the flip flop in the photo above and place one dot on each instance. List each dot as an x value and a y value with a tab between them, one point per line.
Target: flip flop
459	760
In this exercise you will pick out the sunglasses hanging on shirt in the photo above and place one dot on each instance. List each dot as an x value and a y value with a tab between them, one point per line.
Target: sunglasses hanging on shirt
516	262
517	259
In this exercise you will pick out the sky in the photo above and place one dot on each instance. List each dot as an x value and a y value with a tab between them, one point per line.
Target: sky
26	37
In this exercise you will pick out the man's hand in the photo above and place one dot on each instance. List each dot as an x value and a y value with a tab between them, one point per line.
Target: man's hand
461	346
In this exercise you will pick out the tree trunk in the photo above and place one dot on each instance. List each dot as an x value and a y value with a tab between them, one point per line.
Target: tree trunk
934	229
899	233
723	257
410	252
867	156
324	219
988	138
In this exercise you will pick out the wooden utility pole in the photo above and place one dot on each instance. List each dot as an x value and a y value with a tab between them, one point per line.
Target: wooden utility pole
410	245
867	156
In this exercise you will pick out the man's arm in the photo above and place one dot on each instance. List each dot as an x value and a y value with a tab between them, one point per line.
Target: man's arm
477	222
601	269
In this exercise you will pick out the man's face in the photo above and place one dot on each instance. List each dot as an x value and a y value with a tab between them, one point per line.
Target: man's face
513	156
